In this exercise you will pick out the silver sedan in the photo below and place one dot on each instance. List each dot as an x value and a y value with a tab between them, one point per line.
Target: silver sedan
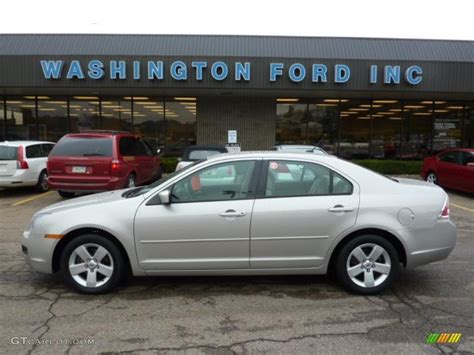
247	214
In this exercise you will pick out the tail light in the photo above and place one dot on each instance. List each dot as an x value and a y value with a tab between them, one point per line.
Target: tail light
115	166
21	163
445	210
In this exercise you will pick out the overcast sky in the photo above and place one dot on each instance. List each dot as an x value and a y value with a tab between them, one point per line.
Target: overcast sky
447	19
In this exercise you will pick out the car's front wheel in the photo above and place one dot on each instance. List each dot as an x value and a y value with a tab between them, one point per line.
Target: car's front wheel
432	177
367	264
92	264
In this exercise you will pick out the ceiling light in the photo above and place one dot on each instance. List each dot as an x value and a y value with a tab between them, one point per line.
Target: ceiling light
396	109
422	113
359	109
28	106
46	109
385	113
414	106
332	100
441	110
136	98
185	98
39	97
455	107
324	105
384	101
14	102
288	100
86	97
435	102
395	118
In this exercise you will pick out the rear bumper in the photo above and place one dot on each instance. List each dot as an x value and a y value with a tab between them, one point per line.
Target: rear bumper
19	178
86	184
427	246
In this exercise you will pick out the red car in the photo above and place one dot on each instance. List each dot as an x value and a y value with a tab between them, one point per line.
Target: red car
96	161
452	168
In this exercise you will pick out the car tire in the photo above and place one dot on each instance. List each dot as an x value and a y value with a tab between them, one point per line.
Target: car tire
131	181
65	194
362	272
42	185
432	177
102	272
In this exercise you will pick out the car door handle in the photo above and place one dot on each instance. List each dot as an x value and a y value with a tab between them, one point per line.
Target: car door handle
232	213
340	208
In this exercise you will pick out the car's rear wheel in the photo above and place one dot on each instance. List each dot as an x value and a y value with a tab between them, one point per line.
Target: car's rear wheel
432	177
92	264
367	264
42	185
65	194
131	181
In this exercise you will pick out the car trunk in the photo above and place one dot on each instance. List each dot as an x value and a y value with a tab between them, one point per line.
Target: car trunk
80	166
8	161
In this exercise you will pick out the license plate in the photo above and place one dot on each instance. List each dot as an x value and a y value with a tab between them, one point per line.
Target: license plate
79	169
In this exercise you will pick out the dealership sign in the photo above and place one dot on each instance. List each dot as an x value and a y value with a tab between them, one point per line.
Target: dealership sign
219	71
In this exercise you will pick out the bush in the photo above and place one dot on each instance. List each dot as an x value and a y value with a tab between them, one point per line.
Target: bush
392	167
169	164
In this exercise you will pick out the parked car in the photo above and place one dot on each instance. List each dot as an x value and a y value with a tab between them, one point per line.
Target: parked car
197	152
96	161
293	148
452	168
23	163
231	214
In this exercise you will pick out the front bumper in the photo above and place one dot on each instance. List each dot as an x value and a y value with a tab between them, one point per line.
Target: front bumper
429	245
38	251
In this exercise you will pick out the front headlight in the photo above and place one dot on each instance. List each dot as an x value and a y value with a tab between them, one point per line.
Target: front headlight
34	221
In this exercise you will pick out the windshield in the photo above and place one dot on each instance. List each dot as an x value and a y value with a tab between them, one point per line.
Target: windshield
144	189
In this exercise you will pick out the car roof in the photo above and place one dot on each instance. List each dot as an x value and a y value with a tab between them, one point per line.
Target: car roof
272	154
206	147
470	150
99	134
295	145
23	143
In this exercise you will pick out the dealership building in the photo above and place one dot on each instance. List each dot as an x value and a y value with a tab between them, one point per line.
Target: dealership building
355	97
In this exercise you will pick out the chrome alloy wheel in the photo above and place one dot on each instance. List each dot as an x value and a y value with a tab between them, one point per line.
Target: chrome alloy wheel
368	265
432	178
91	265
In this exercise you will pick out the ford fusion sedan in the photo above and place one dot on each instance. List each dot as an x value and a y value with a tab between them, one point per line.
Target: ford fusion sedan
261	213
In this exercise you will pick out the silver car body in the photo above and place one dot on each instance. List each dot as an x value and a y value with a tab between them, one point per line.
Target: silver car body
294	148
289	235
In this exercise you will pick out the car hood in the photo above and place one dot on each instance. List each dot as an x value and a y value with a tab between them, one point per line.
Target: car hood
86	201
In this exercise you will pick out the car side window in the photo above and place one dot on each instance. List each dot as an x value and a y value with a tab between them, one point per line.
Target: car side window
34	151
46	149
226	181
450	157
143	149
467	158
126	146
291	178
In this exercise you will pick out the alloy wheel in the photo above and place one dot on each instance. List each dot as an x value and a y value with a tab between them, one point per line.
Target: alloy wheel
432	178
44	182
91	265
368	265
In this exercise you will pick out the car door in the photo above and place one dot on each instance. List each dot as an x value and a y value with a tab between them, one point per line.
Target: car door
207	224
300	208
448	166
36	160
466	172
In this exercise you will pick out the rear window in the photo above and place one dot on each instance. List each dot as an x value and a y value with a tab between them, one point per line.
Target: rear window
202	154
83	147
8	153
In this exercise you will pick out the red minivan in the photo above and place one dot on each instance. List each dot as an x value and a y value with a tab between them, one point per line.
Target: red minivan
96	161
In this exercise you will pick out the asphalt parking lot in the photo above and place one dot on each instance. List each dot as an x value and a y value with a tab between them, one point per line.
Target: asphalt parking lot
287	314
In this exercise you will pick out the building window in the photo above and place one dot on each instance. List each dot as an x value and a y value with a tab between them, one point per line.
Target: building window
323	119
52	118
292	123
447	121
84	113
355	129
149	120
417	129
21	118
3	133
469	125
116	114
180	120
386	129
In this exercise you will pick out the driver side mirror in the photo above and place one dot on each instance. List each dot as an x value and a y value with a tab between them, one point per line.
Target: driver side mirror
165	196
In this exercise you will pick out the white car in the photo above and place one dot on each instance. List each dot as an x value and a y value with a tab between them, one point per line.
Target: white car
23	163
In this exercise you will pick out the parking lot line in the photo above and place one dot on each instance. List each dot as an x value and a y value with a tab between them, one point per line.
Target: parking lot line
462	207
31	198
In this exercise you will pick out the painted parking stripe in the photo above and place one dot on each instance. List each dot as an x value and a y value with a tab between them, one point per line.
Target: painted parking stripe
461	207
31	198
